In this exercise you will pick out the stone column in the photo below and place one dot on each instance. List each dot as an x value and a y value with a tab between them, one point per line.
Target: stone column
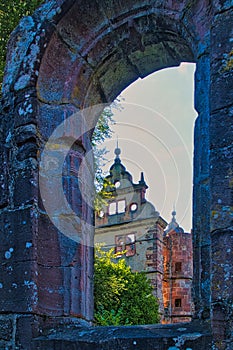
201	191
44	272
221	174
45	275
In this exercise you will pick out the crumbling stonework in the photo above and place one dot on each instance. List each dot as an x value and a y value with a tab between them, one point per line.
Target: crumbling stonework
63	59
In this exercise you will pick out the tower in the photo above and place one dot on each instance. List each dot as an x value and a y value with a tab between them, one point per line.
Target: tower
129	222
178	273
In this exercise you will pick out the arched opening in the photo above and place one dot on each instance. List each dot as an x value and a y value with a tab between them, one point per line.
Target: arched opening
154	126
76	74
159	144
63	60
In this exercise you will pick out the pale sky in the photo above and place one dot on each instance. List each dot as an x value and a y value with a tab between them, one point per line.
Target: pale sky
155	132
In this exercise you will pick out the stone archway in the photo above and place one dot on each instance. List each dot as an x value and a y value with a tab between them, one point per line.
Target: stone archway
64	59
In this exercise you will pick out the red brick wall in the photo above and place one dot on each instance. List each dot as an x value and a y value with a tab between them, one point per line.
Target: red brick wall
177	281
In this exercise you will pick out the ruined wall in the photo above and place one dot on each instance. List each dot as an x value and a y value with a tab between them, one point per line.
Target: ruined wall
221	190
64	59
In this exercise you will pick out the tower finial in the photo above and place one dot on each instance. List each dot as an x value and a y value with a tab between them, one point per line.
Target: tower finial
142	181
174	214
117	151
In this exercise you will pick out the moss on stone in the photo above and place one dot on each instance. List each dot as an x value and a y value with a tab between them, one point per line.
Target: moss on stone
228	62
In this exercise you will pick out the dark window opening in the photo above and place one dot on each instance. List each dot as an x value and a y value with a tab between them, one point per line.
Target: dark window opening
177	302
178	267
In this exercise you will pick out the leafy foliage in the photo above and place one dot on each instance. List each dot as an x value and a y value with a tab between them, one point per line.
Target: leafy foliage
101	133
11	11
121	296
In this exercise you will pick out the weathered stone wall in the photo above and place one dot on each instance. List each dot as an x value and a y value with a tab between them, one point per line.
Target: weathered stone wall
221	183
63	59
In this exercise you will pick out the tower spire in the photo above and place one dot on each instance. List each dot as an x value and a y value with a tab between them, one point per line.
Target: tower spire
117	152
142	181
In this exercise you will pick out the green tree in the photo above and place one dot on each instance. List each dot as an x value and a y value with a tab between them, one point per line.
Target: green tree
102	132
121	297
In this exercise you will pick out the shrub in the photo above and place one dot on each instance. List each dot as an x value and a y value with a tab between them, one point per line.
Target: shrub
122	297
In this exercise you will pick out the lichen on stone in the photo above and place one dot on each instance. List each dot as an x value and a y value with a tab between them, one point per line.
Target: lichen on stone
228	62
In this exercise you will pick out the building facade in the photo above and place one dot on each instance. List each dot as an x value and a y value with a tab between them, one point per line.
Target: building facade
128	222
177	274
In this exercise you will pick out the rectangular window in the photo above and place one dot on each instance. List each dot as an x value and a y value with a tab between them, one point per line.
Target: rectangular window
130	238
126	243
130	249
121	206
120	240
120	244
117	207
178	267
177	302
112	208
119	249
